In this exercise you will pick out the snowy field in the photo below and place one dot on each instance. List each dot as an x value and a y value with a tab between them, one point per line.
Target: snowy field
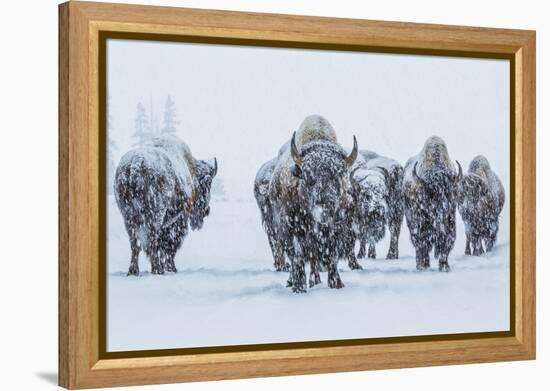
226	292
240	104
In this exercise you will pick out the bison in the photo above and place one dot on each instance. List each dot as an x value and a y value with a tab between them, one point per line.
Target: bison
261	193
309	198
429	194
480	201
376	190
161	190
367	213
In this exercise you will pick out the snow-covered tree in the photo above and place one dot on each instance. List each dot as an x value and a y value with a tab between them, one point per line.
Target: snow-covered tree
142	127
170	119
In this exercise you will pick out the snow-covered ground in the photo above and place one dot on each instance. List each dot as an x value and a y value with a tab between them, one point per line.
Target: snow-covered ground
227	293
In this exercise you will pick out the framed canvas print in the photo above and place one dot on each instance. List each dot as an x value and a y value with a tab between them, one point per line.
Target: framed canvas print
248	195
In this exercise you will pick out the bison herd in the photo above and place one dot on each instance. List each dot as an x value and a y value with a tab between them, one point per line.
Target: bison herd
317	199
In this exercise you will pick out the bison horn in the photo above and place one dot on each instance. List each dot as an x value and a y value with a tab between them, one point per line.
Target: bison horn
353	155
294	150
460	175
385	172
415	175
351	175
215	169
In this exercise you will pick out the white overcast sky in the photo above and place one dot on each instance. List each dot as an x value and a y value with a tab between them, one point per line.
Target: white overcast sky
241	103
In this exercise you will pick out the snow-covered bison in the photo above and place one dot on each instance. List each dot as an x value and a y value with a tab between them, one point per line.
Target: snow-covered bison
261	193
160	190
376	183
309	197
480	201
429	194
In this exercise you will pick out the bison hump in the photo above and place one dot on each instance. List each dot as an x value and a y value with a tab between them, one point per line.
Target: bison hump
314	127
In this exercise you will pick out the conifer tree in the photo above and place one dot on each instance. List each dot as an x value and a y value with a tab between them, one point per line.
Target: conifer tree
142	127
170	118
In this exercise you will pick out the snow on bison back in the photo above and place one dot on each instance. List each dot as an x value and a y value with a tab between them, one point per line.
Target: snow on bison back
160	190
480	201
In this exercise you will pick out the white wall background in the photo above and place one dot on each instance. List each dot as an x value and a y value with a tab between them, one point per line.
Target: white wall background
28	207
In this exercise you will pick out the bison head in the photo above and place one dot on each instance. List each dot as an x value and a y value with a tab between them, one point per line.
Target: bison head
321	168
205	173
475	197
368	188
439	187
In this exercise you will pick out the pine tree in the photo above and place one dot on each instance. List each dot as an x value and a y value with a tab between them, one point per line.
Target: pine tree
142	127
170	119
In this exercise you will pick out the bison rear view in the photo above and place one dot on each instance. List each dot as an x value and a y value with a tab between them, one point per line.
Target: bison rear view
161	191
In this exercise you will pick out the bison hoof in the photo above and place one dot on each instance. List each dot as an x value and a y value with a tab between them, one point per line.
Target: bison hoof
421	267
289	283
133	272
157	270
335	284
444	267
355	266
282	268
392	256
299	289
171	269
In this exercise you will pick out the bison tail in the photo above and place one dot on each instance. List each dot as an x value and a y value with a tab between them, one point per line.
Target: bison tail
131	187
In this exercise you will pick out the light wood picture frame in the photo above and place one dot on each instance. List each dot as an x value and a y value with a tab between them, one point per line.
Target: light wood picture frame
83	30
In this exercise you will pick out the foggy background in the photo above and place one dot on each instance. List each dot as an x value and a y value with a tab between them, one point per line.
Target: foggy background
241	103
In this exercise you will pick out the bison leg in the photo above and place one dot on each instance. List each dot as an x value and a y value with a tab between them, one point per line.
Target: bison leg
157	265
395	230
427	260
421	238
334	280
490	243
467	251
314	276
444	264
353	264
393	252
362	249
170	266
419	261
491	240
133	270
422	259
477	246
372	251
297	278
350	255
278	253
